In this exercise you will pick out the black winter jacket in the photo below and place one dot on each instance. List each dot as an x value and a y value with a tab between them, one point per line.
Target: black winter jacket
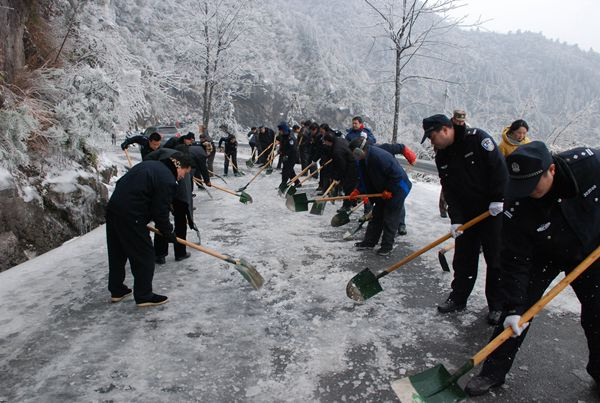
145	194
561	228
287	149
142	141
344	166
473	173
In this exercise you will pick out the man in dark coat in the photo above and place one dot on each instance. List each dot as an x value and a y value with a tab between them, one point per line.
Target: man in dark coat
551	223
473	175
185	139
230	151
343	166
380	172
142	195
288	153
211	150
253	142
147	144
266	136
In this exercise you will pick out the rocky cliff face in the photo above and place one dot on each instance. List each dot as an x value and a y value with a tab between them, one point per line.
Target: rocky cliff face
13	14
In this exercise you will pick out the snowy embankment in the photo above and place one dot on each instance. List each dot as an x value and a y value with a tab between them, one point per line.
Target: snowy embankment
297	339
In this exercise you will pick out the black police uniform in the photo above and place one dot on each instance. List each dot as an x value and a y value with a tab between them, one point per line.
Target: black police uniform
343	167
142	195
289	157
541	238
473	174
142	141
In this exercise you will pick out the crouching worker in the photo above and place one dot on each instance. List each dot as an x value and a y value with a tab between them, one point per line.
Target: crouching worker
551	223
142	195
380	172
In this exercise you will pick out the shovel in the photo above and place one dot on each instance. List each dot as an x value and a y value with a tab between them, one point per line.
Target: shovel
319	207
299	202
284	186
343	217
256	175
247	270
292	189
249	162
366	284
362	221
235	168
442	257
128	157
244	197
220	177
438	385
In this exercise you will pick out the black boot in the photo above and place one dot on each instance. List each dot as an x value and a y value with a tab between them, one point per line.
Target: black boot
451	306
480	385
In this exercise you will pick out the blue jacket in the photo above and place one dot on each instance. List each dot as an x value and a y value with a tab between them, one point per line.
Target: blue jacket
381	171
352	134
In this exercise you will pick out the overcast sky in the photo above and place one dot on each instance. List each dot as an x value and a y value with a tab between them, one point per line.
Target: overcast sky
574	21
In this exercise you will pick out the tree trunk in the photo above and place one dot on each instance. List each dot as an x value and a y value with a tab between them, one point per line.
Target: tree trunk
398	84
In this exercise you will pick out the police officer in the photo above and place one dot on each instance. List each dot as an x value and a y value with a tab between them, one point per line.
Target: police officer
380	172
343	165
551	223
473	175
288	153
147	144
142	195
230	149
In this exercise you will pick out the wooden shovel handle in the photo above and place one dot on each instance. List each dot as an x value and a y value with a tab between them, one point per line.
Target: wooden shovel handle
262	169
295	178
265	150
432	245
128	157
315	172
538	306
198	247
232	164
329	189
197	181
348	197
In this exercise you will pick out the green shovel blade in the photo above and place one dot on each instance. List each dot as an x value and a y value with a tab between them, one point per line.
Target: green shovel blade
363	286
269	170
341	218
291	190
433	385
282	187
250	273
297	202
318	208
249	163
245	198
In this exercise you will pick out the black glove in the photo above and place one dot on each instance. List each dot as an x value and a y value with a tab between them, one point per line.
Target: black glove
124	145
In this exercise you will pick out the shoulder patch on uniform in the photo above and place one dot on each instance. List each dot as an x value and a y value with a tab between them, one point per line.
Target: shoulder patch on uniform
507	213
487	144
543	227
291	142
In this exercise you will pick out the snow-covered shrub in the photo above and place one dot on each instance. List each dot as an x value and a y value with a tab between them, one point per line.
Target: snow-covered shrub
16	125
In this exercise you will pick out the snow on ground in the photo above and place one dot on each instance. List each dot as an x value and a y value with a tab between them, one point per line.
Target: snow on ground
299	338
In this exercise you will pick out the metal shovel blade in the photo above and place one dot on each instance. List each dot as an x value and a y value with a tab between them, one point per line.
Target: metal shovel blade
318	208
282	189
291	191
269	171
249	272
297	202
341	218
245	198
363	286
432	386
443	261
249	163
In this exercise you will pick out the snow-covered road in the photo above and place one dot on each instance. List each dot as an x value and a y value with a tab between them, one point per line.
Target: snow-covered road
299	338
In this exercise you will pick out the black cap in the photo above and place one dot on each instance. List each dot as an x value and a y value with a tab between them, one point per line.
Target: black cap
433	123
190	136
526	165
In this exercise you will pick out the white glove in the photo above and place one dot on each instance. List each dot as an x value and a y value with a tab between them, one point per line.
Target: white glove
513	321
454	230
496	208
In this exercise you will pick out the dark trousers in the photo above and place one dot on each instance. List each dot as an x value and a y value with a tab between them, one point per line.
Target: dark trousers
211	159
442	204
161	247
325	178
386	216
129	241
233	157
263	158
304	159
288	172
586	288
486	235
253	152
